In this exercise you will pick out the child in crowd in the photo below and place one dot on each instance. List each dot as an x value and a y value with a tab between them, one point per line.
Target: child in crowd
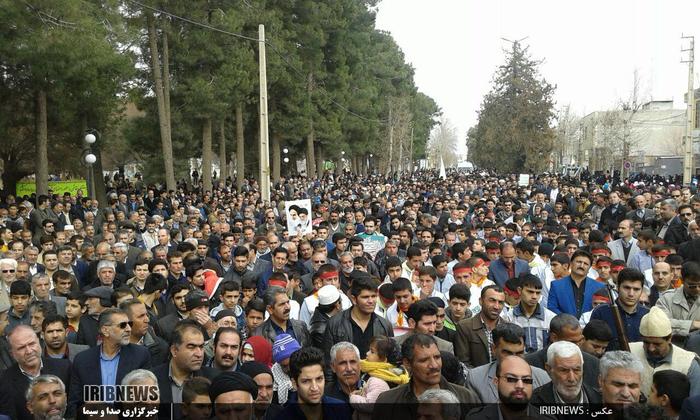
382	372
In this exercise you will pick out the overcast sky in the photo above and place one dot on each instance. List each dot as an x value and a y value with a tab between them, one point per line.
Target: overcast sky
591	49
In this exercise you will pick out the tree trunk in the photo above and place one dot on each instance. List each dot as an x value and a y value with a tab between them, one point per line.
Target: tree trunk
311	137
223	172
163	112
276	156
240	146
42	141
166	78
319	162
206	155
10	177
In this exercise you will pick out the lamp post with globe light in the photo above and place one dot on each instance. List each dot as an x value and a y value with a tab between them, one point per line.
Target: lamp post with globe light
89	159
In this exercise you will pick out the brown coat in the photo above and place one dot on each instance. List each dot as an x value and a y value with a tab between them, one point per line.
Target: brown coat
471	343
401	402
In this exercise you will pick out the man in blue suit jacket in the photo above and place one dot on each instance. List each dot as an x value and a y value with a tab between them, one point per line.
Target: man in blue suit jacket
573	294
499	271
109	362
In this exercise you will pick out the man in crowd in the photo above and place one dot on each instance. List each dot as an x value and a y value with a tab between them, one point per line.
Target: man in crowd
656	352
508	340
565	367
629	287
572	294
422	318
186	359
359	323
473	341
109	362
620	380
54	332
278	308
29	364
345	365
422	357
565	327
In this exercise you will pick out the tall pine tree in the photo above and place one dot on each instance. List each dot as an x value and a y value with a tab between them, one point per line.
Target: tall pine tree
514	132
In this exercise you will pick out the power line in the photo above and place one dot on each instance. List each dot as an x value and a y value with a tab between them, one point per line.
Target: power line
272	47
670	117
193	22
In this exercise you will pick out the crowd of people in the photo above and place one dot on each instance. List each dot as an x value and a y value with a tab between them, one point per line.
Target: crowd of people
413	296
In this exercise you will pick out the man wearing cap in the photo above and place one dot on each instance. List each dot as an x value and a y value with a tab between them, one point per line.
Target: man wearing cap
329	304
97	301
264	408
197	304
329	276
233	394
656	351
282	349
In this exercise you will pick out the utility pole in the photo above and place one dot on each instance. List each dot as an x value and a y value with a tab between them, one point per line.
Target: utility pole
264	135
688	166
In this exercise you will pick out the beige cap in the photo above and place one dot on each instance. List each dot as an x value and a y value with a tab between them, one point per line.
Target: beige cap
655	324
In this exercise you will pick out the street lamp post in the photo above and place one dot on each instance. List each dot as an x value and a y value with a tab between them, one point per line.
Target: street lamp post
285	151
89	158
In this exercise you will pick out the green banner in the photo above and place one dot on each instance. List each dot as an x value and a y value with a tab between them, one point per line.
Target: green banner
57	187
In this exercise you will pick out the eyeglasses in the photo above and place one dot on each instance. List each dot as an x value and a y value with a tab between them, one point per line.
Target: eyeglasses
515	380
8	271
123	325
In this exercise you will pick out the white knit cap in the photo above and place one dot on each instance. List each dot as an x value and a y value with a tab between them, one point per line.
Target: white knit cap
655	324
328	294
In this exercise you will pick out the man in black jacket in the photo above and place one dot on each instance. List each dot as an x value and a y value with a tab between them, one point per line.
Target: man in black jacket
672	231
358	324
142	333
565	367
565	327
108	363
26	350
187	356
277	304
98	300
328	305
